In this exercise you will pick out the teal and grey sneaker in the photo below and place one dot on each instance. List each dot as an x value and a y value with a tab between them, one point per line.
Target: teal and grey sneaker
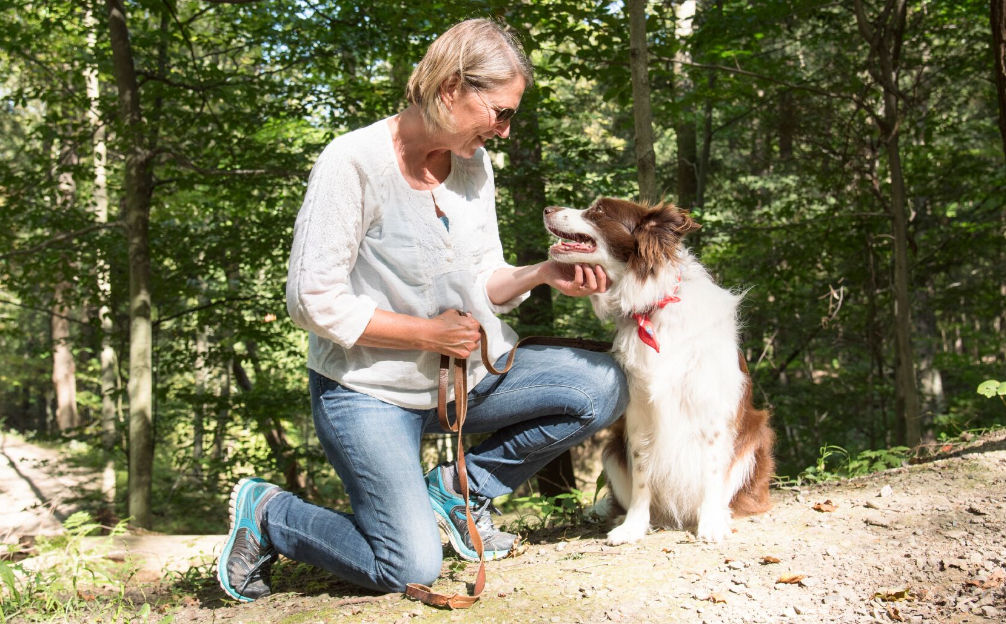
449	507
246	562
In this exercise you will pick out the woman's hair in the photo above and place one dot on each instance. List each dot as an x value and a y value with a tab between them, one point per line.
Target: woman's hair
478	51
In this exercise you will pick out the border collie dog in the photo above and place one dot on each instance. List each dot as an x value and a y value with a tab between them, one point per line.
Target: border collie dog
691	451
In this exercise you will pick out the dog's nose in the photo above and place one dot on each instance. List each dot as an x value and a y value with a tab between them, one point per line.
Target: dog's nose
551	209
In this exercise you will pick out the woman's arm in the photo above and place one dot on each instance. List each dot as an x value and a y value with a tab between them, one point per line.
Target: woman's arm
575	280
448	334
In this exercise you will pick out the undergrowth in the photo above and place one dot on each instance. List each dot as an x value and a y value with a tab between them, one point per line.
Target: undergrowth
68	579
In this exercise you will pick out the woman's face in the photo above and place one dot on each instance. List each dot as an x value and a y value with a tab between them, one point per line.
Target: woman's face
475	115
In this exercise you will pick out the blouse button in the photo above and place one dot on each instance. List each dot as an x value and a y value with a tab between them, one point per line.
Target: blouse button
449	256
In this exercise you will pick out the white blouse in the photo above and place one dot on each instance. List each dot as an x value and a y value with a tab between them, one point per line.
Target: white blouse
364	239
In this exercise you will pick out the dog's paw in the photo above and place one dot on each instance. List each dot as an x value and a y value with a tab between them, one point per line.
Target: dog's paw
625	534
713	527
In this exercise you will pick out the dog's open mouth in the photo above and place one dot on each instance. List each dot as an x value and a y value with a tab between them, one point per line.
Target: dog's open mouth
572	243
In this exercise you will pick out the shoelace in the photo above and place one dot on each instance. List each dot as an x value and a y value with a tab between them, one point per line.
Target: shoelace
484	520
253	573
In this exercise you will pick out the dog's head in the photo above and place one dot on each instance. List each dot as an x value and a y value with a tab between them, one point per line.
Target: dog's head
620	235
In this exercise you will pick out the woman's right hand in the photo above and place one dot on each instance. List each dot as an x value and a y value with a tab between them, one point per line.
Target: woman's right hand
454	335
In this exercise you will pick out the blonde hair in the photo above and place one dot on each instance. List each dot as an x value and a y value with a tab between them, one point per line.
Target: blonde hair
480	52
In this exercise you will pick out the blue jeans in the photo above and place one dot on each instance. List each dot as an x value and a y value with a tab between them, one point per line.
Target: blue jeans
551	400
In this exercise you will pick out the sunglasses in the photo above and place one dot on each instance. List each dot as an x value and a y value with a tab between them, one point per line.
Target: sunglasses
502	114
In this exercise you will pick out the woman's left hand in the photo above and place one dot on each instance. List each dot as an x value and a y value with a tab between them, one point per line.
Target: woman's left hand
576	280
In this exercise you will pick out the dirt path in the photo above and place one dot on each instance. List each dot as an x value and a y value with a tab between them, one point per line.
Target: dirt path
927	539
37	489
918	544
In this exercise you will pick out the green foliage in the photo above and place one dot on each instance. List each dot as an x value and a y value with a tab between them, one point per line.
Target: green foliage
68	579
239	100
834	462
990	388
535	513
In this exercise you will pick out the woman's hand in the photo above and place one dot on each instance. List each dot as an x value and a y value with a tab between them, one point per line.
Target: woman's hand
454	335
575	280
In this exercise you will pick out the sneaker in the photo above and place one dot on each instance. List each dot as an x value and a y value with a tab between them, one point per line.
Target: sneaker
245	565
449	506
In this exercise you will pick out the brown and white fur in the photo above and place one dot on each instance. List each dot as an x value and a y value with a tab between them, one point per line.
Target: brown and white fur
691	451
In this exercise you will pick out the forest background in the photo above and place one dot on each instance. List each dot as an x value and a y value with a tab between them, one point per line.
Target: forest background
843	158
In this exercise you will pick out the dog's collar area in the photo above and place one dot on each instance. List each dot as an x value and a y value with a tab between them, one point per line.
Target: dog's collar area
645	330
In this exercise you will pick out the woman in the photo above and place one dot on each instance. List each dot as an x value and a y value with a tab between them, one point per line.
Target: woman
398	229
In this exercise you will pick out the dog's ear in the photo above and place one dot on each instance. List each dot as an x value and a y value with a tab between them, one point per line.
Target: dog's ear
657	236
683	222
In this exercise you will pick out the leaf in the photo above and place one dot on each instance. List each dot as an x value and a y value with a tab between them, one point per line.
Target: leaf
990	387
994	581
602	480
715	598
7	574
767	559
790	579
825	507
895	614
892	594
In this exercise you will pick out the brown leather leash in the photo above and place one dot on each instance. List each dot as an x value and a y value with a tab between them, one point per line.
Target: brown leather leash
423	593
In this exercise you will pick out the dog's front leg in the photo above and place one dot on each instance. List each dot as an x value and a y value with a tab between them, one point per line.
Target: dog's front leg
637	516
714	512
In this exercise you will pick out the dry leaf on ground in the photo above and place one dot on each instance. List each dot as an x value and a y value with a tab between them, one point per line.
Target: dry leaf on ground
994	581
767	559
825	507
892	594
790	579
895	614
715	598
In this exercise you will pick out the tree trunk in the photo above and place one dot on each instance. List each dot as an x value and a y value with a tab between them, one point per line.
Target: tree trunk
272	429
707	141
64	369
787	125
528	190
646	160
108	360
688	179
934	400
137	189
885	37
223	414
998	19
199	418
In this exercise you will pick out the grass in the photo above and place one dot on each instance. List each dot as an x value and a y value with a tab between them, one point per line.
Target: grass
68	581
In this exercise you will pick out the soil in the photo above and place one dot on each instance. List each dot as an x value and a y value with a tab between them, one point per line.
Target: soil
922	543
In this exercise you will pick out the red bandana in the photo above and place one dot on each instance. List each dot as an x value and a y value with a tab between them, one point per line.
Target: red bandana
645	331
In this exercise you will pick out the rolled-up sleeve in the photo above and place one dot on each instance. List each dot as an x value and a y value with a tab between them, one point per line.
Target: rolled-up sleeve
492	255
326	240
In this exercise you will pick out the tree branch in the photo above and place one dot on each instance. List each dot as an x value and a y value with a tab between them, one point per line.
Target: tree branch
43	310
184	161
202	307
60	238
